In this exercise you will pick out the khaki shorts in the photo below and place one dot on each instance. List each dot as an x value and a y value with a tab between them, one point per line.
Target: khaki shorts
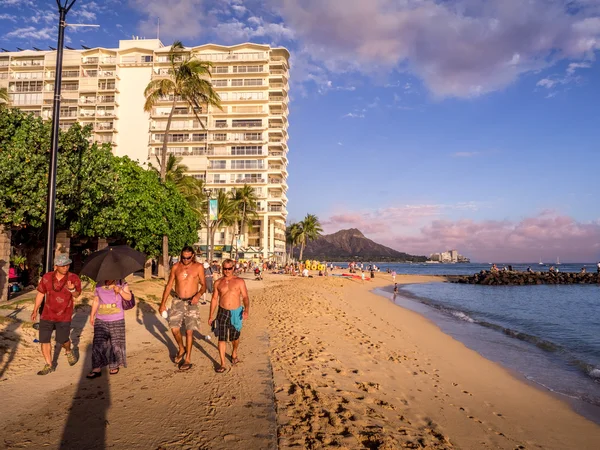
182	312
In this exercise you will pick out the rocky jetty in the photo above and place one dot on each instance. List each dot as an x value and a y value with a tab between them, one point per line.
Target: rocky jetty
508	278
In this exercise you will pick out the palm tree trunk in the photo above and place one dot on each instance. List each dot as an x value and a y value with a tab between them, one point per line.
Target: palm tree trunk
301	251
163	176
233	234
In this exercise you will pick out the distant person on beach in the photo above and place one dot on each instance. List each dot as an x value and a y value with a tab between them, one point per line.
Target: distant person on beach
394	276
208	275
230	291
529	270
395	288
598	267
186	275
111	298
583	270
60	288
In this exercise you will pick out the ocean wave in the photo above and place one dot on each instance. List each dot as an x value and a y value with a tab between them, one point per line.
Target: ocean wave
462	316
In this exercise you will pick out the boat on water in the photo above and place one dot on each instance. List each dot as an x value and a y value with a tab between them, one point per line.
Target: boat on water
541	263
557	261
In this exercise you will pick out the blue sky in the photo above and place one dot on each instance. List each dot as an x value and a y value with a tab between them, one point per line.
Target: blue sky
428	125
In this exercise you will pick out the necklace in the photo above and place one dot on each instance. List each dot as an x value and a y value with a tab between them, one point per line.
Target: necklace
185	274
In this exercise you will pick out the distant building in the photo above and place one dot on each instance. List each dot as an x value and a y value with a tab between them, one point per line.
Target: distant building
450	256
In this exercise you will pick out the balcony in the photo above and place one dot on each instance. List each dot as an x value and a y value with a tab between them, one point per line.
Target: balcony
87	100
110	61
275	208
104	126
225	57
249	181
91	60
27	63
106	99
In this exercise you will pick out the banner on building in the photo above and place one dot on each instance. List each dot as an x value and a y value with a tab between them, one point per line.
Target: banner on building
240	238
213	209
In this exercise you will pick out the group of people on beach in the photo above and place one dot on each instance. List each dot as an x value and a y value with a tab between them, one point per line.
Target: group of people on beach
187	284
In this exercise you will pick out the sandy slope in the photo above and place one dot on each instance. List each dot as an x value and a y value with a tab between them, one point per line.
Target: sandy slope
325	363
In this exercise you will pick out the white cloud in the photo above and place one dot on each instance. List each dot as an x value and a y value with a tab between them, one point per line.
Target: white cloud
32	33
8	17
354	116
546	82
461	48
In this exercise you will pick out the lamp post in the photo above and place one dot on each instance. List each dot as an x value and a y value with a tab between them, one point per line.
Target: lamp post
208	193
50	209
63	8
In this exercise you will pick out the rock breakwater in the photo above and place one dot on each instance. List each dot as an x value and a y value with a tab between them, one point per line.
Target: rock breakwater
507	278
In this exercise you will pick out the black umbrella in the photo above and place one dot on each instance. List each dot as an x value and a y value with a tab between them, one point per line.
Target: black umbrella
113	263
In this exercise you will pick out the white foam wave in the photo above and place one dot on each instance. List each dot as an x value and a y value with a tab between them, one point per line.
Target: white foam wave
462	316
595	373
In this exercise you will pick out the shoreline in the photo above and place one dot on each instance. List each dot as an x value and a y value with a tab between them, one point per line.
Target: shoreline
586	409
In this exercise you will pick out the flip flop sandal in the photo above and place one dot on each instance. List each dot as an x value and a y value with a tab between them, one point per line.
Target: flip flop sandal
178	358
185	367
235	361
113	371
221	369
93	375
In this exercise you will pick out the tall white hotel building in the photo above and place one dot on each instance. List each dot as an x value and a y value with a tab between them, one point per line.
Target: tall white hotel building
244	143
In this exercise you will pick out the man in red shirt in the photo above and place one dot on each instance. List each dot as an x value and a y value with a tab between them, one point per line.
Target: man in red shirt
59	287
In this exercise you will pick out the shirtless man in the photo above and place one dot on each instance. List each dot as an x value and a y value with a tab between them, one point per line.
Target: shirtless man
227	294
184	309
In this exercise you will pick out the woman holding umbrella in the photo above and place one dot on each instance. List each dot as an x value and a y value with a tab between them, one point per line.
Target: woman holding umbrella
112	297
108	319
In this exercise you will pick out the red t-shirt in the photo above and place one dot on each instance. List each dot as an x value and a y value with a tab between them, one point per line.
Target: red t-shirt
59	301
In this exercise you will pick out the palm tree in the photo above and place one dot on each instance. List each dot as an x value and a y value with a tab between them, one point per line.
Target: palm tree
311	230
191	188
247	203
175	170
188	82
292	232
4	97
227	214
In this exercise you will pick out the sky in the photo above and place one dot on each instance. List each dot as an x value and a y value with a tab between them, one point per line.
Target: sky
428	125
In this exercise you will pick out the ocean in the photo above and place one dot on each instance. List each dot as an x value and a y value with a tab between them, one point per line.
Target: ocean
548	334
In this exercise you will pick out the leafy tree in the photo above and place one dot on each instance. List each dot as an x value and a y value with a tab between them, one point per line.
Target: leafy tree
310	230
188	82
143	210
84	178
97	195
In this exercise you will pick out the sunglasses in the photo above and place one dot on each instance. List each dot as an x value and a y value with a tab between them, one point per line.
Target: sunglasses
187	258
227	268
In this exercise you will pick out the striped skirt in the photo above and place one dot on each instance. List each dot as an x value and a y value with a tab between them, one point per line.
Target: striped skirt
108	347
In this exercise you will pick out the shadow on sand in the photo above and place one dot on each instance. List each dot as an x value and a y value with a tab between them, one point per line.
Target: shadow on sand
148	316
87	422
11	343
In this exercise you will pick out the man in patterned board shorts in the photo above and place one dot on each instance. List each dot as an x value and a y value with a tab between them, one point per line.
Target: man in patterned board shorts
186	275
229	293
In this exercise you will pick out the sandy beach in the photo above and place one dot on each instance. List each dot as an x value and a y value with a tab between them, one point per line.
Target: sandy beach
325	363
